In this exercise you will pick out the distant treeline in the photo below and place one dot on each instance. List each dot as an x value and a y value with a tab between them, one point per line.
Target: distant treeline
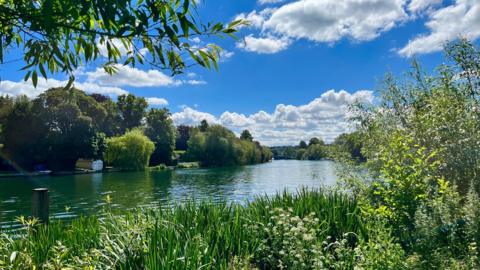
60	126
347	145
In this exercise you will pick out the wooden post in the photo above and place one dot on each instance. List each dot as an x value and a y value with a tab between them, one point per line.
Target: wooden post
40	204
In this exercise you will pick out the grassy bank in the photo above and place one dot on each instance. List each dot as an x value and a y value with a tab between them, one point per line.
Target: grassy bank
293	231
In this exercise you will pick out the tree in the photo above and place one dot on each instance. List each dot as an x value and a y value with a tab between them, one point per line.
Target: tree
315	152
62	35
24	135
130	151
132	110
99	146
112	124
246	136
55	129
6	106
161	131
183	135
204	126
439	111
69	135
218	146
303	145
350	143
314	141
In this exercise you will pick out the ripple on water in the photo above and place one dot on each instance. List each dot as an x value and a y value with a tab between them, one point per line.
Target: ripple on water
85	194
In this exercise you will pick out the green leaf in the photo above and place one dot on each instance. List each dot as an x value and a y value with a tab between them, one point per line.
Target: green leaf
27	75
42	70
34	78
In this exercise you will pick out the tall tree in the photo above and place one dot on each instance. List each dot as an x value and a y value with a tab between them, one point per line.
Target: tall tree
246	135
132	110
24	135
203	125
55	129
62	35
183	135
161	131
315	141
6	106
303	145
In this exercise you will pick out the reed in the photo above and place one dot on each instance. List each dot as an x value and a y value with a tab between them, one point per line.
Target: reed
190	235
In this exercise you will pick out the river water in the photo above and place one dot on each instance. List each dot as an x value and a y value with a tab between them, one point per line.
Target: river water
85	194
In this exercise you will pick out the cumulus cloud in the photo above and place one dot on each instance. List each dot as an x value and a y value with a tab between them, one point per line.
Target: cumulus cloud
461	19
256	19
266	45
129	76
12	88
329	21
323	117
421	5
155	101
321	21
332	20
134	77
189	116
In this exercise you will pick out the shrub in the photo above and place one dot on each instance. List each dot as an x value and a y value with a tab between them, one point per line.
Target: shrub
131	151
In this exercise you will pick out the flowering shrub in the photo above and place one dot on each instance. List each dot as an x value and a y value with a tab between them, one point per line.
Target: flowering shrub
288	241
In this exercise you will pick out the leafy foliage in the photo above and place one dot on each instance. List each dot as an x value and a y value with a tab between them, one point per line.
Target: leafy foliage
54	129
246	136
199	233
183	135
161	131
130	151
421	145
218	146
132	110
61	35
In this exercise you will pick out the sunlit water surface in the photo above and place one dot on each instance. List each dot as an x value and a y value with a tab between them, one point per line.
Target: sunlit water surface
85	194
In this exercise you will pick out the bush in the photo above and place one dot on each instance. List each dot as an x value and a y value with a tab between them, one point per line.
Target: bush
131	151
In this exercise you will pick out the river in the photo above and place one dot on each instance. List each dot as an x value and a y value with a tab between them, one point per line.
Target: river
85	194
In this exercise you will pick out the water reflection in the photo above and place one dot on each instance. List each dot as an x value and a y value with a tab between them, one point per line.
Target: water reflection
84	194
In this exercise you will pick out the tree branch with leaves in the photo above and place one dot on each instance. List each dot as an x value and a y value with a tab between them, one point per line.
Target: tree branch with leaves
59	36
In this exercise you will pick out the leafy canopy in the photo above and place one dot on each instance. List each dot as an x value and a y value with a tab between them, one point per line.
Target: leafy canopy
61	35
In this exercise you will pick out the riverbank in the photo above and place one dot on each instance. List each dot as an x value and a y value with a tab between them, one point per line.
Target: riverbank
161	167
304	231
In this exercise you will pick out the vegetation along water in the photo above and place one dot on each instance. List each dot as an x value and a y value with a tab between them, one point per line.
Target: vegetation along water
400	191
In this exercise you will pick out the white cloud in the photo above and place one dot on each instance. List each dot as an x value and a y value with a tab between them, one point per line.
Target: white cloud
329	21
461	19
266	45
26	87
102	47
332	20
129	76
256	19
421	5
155	101
323	117
264	2
189	116
325	21
225	55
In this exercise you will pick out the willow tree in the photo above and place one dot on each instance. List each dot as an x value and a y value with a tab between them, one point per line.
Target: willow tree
61	35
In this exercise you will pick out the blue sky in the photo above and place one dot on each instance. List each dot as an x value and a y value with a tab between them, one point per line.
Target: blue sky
284	79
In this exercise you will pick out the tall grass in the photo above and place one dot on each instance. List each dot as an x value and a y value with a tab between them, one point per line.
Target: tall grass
191	235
